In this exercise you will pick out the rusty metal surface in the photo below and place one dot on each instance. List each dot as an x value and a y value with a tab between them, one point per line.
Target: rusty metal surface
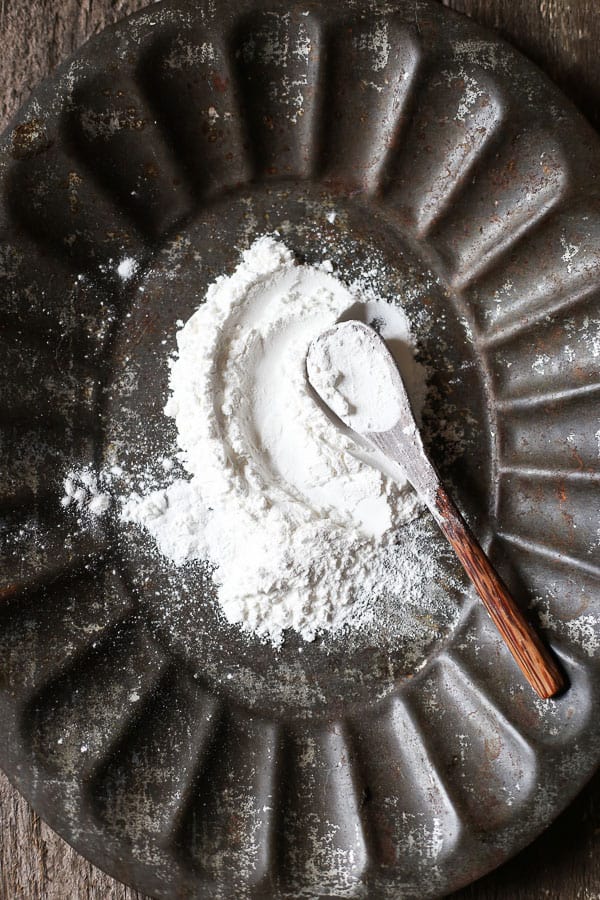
177	756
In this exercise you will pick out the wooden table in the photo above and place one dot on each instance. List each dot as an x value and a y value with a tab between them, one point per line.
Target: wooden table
563	37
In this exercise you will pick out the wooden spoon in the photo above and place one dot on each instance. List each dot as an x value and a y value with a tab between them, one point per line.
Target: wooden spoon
401	443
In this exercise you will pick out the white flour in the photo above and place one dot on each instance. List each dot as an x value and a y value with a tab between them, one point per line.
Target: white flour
301	531
83	491
127	268
354	380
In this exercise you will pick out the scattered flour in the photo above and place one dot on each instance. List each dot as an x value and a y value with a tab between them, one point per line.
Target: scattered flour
127	268
82	491
581	630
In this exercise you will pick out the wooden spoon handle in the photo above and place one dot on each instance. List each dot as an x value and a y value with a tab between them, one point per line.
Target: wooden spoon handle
532	657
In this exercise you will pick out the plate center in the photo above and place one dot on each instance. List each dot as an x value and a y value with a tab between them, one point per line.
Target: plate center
334	672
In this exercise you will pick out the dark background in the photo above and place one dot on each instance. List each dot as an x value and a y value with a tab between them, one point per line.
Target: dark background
563	37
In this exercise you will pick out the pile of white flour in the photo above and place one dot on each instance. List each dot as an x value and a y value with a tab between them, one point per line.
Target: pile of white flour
301	531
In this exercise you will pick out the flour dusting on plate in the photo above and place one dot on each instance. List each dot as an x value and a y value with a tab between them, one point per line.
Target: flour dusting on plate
304	533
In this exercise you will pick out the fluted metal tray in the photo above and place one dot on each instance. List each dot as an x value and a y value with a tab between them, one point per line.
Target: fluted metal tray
176	755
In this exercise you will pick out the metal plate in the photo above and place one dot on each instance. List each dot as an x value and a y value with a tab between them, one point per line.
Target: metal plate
178	757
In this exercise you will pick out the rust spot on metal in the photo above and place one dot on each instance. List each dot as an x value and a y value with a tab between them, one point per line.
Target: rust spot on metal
493	748
73	182
30	139
219	82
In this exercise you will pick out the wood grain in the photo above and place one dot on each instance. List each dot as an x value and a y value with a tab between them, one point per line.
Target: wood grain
563	37
533	658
